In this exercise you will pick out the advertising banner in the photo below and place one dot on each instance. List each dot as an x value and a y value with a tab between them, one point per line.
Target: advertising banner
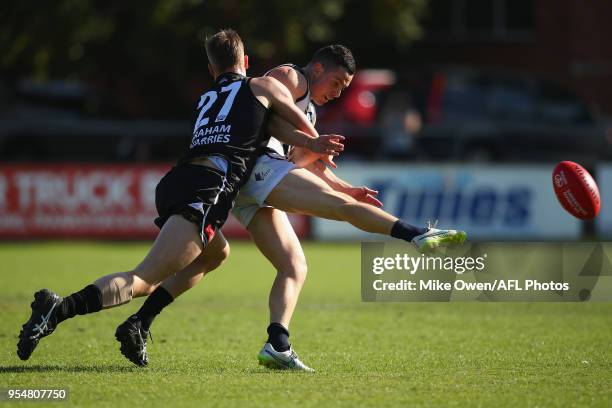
489	202
88	200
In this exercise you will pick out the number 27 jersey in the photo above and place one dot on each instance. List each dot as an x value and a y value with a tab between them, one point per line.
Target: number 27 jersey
231	124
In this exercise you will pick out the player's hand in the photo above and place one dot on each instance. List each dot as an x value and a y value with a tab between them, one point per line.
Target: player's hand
365	195
328	160
326	144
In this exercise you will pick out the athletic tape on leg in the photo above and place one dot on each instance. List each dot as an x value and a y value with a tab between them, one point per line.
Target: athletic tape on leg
116	289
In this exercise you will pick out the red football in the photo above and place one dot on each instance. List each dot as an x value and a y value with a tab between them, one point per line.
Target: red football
576	190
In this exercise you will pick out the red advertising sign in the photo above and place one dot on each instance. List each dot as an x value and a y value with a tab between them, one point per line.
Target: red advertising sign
87	200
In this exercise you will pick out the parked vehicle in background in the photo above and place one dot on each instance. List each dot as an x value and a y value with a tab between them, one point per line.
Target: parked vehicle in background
463	114
355	113
450	114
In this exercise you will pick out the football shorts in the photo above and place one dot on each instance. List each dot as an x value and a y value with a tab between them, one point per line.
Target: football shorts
198	194
269	170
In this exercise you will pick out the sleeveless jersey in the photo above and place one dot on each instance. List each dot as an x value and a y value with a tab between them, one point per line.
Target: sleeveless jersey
305	105
230	125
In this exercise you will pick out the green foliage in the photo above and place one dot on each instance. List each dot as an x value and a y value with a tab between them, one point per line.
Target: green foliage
84	38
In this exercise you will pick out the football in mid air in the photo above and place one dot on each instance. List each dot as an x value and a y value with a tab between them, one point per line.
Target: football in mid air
576	190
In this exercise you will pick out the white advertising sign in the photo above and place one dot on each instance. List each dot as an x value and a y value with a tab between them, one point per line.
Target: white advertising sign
489	202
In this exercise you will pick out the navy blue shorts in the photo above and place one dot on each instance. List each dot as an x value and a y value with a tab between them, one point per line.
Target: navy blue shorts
198	194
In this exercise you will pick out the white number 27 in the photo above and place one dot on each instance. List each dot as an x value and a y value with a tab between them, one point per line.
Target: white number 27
207	100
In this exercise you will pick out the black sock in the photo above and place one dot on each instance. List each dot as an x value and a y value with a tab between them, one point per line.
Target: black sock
405	231
278	337
153	306
86	300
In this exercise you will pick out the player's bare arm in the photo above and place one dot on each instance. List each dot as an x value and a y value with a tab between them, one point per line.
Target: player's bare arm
316	164
293	81
274	95
321	147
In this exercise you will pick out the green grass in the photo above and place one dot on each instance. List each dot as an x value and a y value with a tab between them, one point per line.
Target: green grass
366	354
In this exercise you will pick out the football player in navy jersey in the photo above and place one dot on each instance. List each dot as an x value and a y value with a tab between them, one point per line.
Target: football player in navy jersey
194	198
302	184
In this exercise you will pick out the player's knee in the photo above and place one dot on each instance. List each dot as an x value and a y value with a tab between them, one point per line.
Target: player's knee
221	256
299	270
225	253
142	286
215	260
295	269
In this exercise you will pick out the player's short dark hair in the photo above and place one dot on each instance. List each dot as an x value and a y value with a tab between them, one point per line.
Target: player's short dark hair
224	49
335	55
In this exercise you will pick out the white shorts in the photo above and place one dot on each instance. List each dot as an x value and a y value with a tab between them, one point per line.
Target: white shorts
269	170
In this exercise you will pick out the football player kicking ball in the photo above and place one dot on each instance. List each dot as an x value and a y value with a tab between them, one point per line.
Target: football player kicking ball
194	198
277	185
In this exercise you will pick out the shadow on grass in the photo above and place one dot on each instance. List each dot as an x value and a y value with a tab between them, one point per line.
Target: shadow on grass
273	371
113	368
106	368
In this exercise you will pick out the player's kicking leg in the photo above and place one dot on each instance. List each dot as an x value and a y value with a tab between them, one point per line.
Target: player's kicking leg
300	191
177	244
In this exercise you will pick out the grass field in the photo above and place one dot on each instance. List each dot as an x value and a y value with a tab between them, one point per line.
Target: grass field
366	354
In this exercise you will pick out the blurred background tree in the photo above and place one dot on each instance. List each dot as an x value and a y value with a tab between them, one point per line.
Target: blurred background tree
150	52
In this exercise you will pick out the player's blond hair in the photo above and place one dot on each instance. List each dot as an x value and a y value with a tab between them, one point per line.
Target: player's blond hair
225	49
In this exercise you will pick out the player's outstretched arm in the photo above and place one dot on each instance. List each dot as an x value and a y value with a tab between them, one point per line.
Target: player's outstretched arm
303	158
320	147
313	163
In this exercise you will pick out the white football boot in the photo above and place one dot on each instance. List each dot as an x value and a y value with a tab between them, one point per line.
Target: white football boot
283	360
435	238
